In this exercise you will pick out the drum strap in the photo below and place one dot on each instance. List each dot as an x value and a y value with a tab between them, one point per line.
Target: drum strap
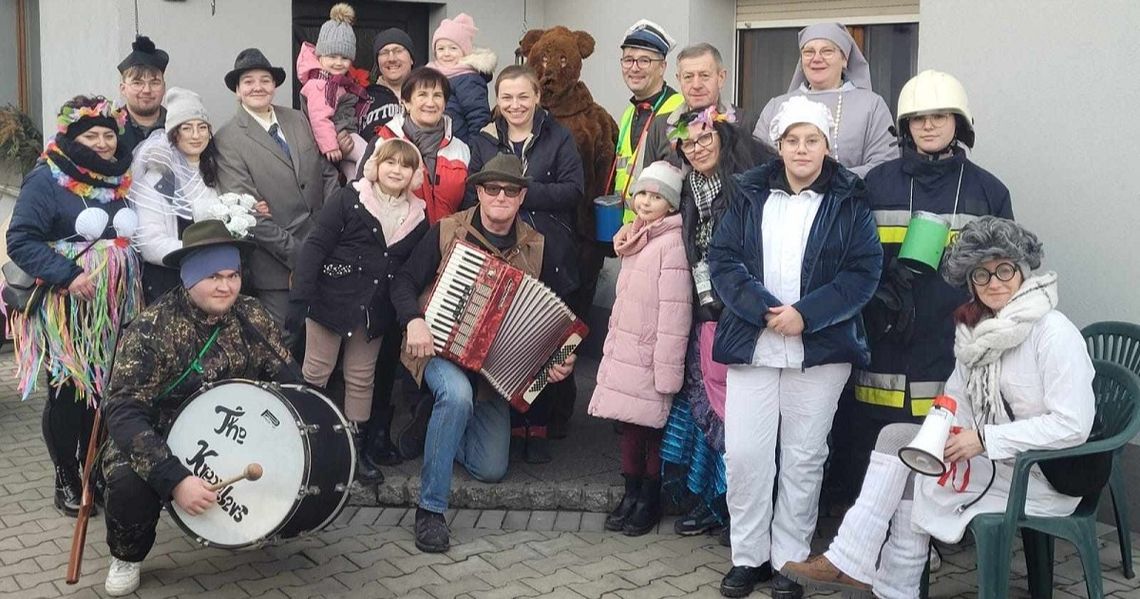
195	365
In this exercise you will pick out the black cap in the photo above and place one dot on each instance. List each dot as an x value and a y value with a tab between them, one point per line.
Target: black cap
251	59
393	35
145	54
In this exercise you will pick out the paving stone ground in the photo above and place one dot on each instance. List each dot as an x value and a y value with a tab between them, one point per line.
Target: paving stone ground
370	552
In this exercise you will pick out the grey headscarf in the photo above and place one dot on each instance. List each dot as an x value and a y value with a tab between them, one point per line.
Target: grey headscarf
858	71
990	238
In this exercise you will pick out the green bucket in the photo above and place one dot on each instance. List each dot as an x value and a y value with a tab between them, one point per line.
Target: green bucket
926	238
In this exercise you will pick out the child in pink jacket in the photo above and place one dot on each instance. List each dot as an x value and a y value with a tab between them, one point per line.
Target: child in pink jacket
330	97
643	358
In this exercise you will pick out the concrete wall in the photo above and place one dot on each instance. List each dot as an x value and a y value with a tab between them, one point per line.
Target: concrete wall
1056	119
202	47
688	21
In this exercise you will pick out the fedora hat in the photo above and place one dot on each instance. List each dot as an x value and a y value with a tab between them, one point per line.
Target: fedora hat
506	168
252	59
205	233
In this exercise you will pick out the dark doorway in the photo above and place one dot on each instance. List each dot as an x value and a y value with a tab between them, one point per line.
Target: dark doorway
371	18
768	58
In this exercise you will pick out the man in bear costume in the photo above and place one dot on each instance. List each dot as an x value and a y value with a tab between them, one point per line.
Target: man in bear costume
556	55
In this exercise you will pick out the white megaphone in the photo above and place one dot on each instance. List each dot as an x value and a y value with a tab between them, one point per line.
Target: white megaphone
924	454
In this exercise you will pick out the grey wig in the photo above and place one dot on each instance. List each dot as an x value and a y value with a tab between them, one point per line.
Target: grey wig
990	238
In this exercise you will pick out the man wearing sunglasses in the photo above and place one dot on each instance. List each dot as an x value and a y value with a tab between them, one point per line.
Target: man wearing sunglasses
467	422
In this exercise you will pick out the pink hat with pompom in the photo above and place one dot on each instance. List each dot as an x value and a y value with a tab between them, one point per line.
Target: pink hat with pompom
460	30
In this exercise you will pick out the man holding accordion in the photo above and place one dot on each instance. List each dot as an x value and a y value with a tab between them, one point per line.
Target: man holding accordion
468	421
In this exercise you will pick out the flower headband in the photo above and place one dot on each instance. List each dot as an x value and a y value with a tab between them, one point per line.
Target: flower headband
707	117
104	111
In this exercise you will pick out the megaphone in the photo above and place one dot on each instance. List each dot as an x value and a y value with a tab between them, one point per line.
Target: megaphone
924	454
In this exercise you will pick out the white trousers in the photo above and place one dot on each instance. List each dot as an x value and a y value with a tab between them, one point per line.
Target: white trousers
797	406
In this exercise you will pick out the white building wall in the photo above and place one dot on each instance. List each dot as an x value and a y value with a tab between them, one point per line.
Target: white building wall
1056	121
202	47
9	55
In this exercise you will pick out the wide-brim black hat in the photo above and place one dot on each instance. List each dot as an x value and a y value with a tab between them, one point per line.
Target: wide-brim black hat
202	234
506	168
252	59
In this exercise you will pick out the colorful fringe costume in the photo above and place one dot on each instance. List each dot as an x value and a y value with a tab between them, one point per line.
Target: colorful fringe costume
693	442
73	339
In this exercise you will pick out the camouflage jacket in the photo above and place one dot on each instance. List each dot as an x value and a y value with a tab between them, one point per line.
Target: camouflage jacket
156	349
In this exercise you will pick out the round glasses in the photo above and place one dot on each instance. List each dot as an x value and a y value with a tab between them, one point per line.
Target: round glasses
1004	272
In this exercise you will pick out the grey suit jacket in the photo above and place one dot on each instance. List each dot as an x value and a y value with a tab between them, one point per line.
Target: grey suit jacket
250	161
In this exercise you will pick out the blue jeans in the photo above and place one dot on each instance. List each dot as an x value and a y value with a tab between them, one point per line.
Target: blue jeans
475	434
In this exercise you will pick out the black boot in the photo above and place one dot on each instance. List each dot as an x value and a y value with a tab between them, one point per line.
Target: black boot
68	490
616	520
380	450
647	512
366	472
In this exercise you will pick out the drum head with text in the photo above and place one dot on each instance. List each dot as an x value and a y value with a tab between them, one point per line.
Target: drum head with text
216	435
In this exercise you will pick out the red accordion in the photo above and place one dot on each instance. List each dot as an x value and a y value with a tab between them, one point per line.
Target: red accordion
491	317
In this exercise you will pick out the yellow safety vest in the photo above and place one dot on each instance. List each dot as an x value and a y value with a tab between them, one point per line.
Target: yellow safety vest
626	155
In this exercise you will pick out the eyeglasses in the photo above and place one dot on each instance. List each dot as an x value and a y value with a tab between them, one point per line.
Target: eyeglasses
827	53
704	140
392	52
937	119
812	143
642	62
493	189
1004	272
140	84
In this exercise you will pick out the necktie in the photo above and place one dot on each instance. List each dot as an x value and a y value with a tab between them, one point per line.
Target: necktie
275	133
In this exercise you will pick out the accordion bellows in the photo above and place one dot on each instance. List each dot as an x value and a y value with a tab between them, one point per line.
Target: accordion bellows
488	316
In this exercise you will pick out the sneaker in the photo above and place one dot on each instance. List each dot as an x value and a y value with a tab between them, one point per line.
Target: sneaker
741	580
698	521
432	535
725	536
818	573
122	577
410	440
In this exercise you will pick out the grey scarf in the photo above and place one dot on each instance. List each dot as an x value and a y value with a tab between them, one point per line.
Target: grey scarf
428	142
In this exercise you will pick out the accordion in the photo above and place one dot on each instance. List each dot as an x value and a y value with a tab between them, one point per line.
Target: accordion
488	316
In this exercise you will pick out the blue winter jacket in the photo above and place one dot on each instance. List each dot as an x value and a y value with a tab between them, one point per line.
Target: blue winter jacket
840	271
46	212
468	106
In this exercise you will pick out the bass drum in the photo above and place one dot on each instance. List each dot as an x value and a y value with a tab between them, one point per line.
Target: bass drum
298	437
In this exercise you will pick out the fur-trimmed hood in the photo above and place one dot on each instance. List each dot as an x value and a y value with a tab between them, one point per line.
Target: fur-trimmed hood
483	60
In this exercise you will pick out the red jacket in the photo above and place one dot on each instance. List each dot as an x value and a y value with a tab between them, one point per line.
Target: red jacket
442	192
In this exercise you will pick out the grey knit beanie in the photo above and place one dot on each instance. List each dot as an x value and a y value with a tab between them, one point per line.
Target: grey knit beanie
660	178
337	36
991	238
183	105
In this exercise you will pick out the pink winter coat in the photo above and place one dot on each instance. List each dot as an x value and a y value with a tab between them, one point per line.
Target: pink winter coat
643	362
319	102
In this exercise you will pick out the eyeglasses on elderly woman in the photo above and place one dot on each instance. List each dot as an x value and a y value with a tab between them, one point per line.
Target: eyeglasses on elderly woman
1004	272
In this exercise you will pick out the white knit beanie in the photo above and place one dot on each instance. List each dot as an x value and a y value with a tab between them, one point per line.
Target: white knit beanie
183	105
337	36
798	109
660	178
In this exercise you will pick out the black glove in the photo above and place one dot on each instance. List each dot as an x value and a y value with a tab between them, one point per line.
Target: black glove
891	310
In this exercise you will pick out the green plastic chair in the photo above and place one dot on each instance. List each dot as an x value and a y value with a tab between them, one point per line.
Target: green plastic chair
1117	342
1117	393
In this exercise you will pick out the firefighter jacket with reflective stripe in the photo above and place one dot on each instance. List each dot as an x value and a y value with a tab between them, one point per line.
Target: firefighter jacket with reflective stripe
912	347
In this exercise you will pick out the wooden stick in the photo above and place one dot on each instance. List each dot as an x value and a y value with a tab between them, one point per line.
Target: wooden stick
251	472
79	539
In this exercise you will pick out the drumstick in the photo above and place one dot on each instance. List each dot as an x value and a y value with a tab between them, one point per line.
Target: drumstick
251	472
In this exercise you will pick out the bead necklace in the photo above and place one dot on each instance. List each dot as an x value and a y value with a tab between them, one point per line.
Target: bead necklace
835	129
